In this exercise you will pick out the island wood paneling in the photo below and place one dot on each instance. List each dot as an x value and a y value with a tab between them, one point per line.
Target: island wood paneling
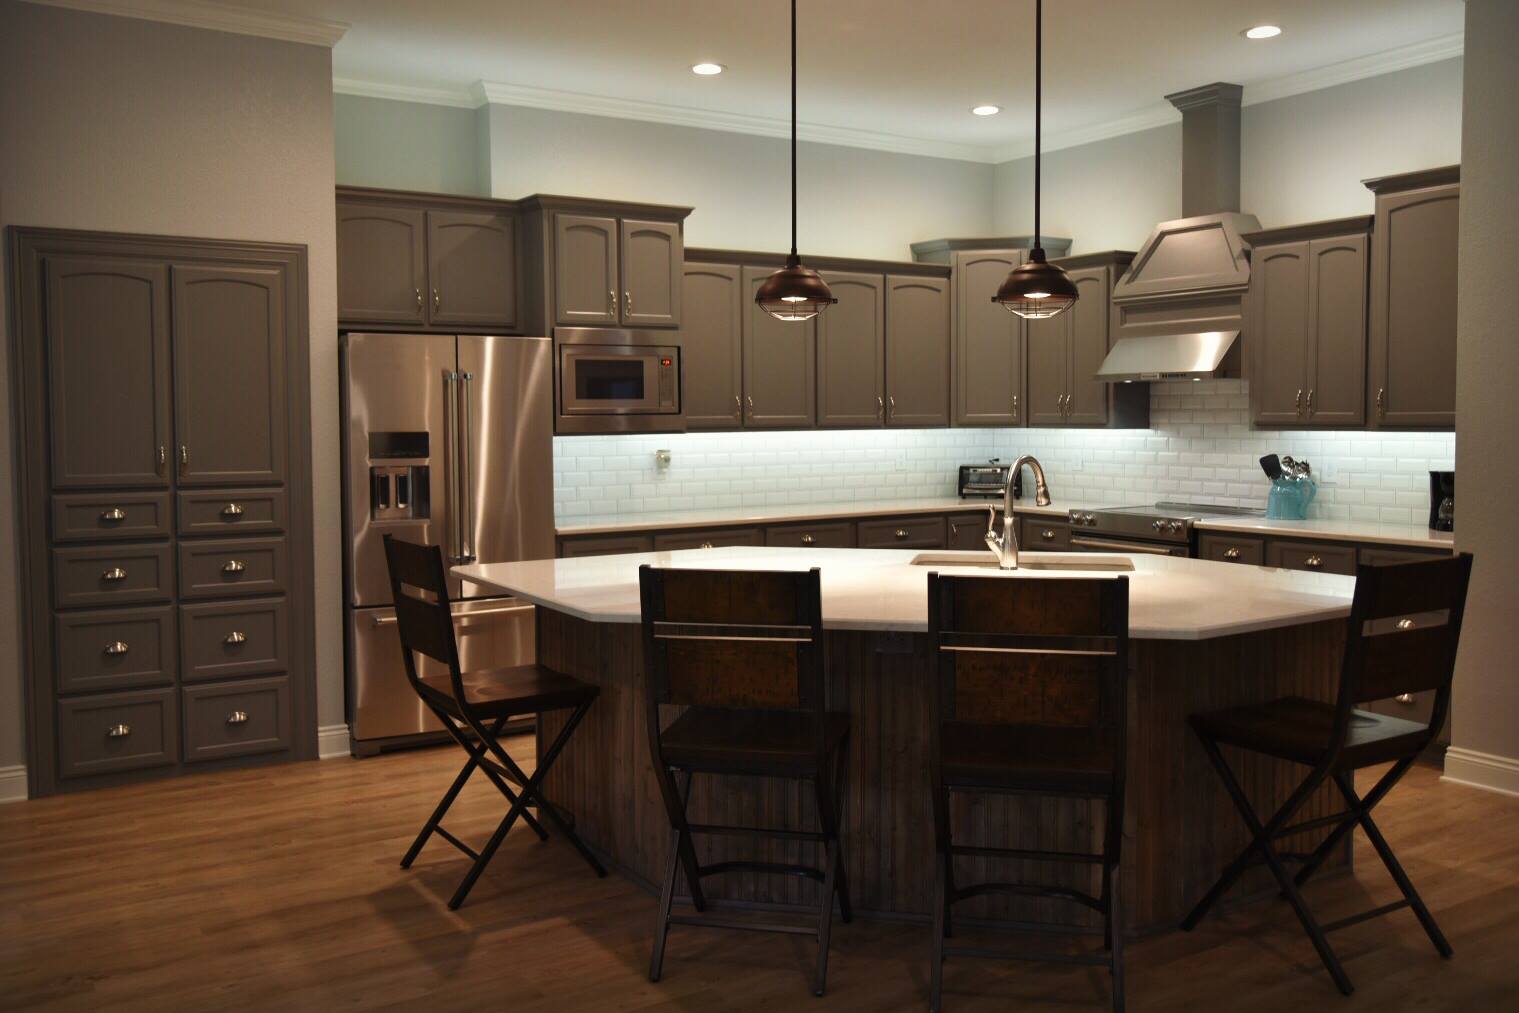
1180	828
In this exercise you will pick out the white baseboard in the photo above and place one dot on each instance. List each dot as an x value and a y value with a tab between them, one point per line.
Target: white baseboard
1482	770
13	783
331	741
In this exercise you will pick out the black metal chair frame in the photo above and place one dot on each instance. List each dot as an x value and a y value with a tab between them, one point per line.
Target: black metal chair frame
1416	608
806	633
425	625
1110	643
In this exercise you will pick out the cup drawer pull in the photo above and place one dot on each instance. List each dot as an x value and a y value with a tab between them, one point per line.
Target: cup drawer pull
1047	534
237	718
117	647
234	566
1314	562
114	574
232	510
900	532
235	637
808	539
1232	552
118	731
113	515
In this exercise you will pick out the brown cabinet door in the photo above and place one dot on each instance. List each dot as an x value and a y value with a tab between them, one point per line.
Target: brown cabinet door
382	264
852	352
780	378
1337	331
236	718
112	732
102	516
1278	332
586	288
604	545
822	535
917	351
1049	369
712	346
1412	345
988	347
902	533
651	273
108	372
707	538
968	531
1088	331
230	409
472	268
1040	535
1231	549
114	649
1313	556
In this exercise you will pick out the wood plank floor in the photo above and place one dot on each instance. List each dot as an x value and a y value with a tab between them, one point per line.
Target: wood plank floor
279	889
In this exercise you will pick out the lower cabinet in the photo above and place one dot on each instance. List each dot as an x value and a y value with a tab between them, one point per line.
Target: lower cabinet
1040	534
236	718
824	535
715	538
902	533
604	545
967	531
114	732
1319	557
1231	549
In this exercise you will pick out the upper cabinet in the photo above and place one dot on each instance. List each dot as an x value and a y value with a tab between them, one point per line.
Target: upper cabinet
1065	352
851	363
650	256
988	387
585	271
1412	329
1306	324
711	342
917	350
780	374
426	261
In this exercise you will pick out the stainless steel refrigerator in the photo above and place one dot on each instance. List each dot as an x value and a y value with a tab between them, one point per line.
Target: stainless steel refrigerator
447	440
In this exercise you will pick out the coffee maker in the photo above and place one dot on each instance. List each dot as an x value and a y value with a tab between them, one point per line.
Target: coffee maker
1442	501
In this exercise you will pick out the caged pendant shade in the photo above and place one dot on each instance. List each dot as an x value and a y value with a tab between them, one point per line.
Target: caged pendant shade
1037	289
796	292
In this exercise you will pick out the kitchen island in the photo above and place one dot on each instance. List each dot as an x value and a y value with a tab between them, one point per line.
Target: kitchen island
1203	635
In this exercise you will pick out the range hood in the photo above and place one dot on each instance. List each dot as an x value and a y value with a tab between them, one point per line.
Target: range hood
1179	308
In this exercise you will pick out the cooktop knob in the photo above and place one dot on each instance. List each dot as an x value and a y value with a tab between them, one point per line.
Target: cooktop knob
1158	525
1174	527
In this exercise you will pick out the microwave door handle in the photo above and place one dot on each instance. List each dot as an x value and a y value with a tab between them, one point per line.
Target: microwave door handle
466	470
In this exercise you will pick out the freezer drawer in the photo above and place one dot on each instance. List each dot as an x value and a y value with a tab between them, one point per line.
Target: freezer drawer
491	632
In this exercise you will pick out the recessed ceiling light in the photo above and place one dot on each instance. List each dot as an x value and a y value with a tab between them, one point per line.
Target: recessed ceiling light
1262	32
707	69
986	110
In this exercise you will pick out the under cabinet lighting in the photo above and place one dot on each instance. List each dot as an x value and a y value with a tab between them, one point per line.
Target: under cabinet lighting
1262	32
707	69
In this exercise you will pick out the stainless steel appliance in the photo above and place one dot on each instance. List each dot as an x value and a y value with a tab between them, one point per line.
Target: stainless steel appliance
1442	501
1163	529
447	440
987	480
616	380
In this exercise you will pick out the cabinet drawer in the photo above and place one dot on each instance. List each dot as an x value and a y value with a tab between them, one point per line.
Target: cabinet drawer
95	516
714	539
236	719
967	532
1230	549
1310	556
112	575
223	569
831	535
607	545
114	649
1041	535
233	511
1370	556
237	638
117	731
903	533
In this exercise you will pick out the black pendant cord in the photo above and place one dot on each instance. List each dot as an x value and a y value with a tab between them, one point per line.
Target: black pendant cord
793	128
1038	102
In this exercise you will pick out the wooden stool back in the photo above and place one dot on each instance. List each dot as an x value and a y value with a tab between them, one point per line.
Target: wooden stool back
424	619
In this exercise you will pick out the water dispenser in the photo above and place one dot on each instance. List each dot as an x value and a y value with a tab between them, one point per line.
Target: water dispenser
399	489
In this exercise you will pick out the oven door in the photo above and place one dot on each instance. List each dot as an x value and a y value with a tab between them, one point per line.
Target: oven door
1118	543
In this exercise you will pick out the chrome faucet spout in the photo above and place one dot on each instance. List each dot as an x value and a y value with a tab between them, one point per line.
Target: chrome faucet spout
1005	545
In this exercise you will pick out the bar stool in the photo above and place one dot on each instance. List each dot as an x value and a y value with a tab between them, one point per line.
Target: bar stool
1405	624
1032	699
478	703
742	652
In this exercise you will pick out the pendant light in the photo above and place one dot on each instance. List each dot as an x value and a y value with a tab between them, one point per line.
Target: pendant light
795	292
1037	290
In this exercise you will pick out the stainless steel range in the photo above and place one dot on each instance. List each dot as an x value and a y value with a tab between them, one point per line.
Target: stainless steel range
1162	529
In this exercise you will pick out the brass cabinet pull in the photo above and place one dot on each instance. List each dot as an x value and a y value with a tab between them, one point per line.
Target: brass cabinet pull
232	510
627	303
880	407
237	718
1015	406
750	401
234	566
1405	624
1313	562
706	545
1047	535
163	458
1232	552
1407	698
184	456
738	407
235	637
1297	404
1381	402
437	300
113	515
1309	405
611	304
891	406
115	573
117	647
419	298
118	731
900	532
808	539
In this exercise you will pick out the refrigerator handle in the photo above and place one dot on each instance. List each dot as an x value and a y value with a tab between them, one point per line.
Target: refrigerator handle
451	462
466	508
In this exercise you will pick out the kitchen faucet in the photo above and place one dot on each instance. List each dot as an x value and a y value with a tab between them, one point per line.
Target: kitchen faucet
1006	544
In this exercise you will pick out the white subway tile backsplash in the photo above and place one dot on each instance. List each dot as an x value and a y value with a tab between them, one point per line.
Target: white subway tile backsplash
1200	446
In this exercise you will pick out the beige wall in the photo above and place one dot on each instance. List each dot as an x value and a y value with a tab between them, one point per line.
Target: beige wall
406	146
118	124
1485	720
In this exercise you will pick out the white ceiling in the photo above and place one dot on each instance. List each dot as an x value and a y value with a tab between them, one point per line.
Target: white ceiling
884	70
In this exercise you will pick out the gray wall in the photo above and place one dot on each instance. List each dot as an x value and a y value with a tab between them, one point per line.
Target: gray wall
406	146
1486	712
118	124
1302	159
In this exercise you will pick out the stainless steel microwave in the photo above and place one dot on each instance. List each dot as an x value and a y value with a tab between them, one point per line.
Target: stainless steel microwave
611	380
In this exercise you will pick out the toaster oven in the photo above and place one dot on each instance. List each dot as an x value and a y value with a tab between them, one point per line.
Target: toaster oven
986	481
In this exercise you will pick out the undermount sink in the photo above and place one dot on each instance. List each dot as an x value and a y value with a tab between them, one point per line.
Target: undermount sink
1073	562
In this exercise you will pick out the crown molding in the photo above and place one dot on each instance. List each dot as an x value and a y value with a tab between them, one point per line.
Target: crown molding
497	93
1148	118
217	17
405	93
1433	50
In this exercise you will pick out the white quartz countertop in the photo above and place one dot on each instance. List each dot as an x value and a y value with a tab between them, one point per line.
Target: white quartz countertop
1415	535
879	589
